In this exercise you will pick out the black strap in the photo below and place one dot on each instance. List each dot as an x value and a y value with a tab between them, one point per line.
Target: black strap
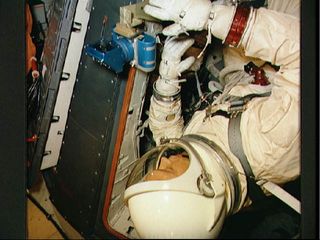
235	142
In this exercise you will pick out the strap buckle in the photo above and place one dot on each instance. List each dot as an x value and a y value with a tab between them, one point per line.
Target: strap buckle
211	15
182	14
237	106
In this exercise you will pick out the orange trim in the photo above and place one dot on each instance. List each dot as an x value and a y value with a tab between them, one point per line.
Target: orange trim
30	47
120	134
34	66
34	138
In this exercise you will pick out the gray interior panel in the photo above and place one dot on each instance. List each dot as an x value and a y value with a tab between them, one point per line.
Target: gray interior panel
54	53
78	183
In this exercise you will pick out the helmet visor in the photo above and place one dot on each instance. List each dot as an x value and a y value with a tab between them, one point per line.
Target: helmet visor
161	163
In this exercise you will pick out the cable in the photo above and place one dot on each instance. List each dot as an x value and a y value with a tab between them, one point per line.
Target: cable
48	215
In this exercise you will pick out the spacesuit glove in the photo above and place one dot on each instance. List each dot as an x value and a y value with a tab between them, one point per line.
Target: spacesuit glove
171	65
187	14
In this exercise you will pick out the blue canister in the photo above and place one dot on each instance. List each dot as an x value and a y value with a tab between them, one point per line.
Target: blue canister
145	52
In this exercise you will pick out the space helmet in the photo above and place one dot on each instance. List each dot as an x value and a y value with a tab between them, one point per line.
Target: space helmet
192	203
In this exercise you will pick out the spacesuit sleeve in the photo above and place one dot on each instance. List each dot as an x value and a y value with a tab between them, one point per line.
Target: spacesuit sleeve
263	33
273	37
270	126
165	120
273	122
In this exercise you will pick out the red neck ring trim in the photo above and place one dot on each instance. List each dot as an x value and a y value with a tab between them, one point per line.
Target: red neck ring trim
238	25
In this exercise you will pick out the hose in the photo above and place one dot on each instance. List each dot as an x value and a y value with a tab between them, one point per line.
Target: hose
48	215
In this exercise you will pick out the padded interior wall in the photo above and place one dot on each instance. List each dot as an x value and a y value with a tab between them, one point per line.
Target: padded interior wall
54	53
78	182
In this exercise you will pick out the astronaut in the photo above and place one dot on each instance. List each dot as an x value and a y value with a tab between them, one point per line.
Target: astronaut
246	142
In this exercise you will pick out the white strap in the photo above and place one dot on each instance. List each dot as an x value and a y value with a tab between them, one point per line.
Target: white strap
209	37
283	196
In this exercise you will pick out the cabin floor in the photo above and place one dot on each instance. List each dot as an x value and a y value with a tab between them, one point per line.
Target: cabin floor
38	226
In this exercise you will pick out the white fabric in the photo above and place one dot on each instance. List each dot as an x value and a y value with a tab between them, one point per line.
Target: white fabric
270	126
170	65
187	14
197	64
291	7
165	119
239	83
222	20
234	56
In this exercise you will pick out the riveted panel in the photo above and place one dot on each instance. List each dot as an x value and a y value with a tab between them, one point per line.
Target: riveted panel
77	183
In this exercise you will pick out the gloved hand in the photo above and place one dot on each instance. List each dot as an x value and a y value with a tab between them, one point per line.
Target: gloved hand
187	14
171	65
193	15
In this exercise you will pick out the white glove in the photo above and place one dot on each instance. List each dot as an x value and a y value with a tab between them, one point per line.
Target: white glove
187	14
171	65
193	15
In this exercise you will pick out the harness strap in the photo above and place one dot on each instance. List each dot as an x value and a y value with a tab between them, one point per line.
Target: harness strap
235	142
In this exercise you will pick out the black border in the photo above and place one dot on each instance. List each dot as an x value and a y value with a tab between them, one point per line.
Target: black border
13	125
309	137
12	120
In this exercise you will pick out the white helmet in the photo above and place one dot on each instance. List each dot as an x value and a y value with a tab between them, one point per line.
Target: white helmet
191	205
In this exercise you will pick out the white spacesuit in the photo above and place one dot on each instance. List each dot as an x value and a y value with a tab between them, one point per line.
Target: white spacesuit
215	183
